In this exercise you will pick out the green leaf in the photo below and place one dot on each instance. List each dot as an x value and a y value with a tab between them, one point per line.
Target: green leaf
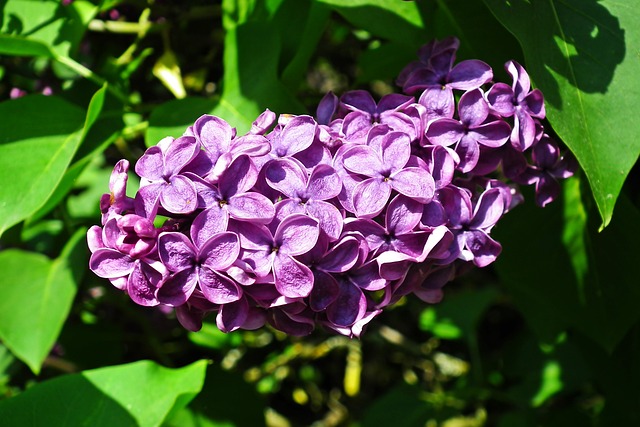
57	27
217	404
566	275
174	117
38	138
94	111
36	297
138	394
581	54
389	19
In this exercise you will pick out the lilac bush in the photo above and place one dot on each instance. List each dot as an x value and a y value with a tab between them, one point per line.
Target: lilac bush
305	222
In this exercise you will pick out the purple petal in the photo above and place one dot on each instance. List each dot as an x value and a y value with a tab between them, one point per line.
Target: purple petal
394	265
396	150
148	199
416	183
239	177
297	135
469	152
534	103
94	238
110	264
292	278
143	283
178	287
521	82
253	236
484	249
324	183
287	176
176	251
355	126
350	306
232	316
314	155
214	134
179	195
442	166
341	257
394	101
180	152
363	160
373	232
292	324
296	234
370	197
264	121
433	215
325	291
368	277
501	98
412	245
151	164
547	190
457	205
493	134
403	215
473	108
360	100
208	222
445	132
217	288
220	251
524	130
326	108
469	74
251	207
329	217
488	210
439	103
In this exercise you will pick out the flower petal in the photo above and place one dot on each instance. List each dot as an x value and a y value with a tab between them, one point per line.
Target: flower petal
325	291
220	251
178	287
238	177
287	176
251	207
176	251
110	264
416	183
445	132
349	307
232	316
292	278
324	183
329	217
180	152
151	164
370	197
296	234
469	74
179	195
403	215
207	223
143	283
217	288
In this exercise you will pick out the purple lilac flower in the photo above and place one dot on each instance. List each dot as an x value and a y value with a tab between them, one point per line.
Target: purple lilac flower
472	130
307	194
386	171
160	168
190	266
302	223
267	253
519	101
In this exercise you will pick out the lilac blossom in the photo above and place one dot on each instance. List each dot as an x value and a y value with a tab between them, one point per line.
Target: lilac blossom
295	235
472	130
160	168
307	194
301	223
519	101
203	266
386	171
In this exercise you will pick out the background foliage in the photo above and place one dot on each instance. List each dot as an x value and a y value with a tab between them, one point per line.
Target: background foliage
550	335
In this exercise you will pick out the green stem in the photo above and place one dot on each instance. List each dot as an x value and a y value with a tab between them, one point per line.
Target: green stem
83	71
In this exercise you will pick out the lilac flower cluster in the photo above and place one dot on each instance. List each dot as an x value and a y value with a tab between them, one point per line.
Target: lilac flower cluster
303	222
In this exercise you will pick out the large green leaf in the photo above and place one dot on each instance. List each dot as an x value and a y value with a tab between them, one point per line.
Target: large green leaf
47	22
71	175
389	19
563	274
36	296
138	394
582	55
38	138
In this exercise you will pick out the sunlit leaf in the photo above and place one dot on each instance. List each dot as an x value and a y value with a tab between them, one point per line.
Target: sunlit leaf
36	297
138	394
582	55
34	154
